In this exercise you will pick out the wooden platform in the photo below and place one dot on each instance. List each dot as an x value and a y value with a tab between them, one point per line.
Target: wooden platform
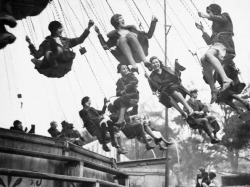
52	162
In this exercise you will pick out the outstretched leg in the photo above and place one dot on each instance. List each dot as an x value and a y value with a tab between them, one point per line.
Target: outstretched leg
112	136
130	43
231	104
207	128
143	135
125	48
179	98
208	74
211	58
120	121
243	101
103	136
166	100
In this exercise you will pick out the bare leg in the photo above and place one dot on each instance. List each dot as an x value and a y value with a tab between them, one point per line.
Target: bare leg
149	131
207	128
243	101
111	132
179	98
231	104
208	74
213	60
125	48
143	135
103	135
121	115
136	46
177	107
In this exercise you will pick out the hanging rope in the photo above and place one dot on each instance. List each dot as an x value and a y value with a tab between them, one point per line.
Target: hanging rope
199	11
98	52
133	14
58	101
182	24
95	76
110	7
95	14
180	36
8	80
153	35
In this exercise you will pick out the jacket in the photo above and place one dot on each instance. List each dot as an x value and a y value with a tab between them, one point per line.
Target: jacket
155	82
128	84
67	43
222	29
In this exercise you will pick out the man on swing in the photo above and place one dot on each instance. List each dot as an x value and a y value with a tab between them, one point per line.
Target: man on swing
202	121
55	48
131	44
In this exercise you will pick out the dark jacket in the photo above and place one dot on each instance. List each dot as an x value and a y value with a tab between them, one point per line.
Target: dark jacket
91	114
197	105
222	28
141	36
67	43
128	83
156	84
54	132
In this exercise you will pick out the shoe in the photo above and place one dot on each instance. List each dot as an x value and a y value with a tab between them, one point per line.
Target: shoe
122	151
105	148
214	141
226	85
8	20
134	70
148	147
114	144
148	65
157	140
214	95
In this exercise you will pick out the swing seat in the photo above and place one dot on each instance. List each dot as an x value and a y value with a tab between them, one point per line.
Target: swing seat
57	72
23	8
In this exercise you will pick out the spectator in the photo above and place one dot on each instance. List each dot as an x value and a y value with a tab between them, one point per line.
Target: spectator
53	131
17	126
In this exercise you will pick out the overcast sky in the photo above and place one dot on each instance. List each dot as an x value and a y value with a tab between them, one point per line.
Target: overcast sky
45	99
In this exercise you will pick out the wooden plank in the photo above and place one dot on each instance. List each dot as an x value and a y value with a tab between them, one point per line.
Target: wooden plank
49	176
31	138
89	153
62	158
38	154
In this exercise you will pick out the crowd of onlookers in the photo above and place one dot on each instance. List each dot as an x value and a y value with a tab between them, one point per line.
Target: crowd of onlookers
67	131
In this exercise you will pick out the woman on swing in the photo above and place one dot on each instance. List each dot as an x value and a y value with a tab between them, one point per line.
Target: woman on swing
222	47
168	84
130	42
55	48
127	91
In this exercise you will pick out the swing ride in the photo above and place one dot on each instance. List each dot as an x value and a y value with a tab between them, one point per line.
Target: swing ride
100	65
